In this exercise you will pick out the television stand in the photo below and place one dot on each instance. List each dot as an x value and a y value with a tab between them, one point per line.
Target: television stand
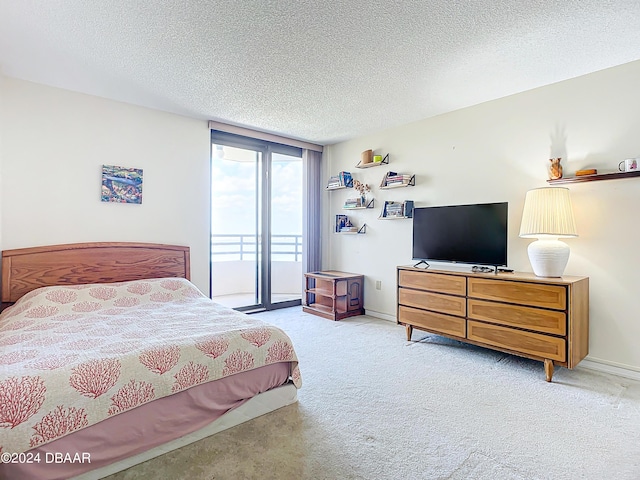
420	263
545	319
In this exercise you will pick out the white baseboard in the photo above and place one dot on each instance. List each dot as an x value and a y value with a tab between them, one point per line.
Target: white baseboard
382	316
612	368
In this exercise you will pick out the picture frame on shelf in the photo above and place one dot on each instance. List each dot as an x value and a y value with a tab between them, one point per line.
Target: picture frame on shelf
341	222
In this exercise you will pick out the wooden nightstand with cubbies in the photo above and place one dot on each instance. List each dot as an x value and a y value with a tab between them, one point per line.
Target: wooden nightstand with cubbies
334	295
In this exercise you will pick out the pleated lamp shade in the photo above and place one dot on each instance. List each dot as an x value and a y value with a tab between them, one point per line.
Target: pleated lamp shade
548	211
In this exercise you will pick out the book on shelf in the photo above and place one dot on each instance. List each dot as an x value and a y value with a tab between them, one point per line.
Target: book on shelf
391	209
343	179
393	178
399	179
394	209
386	176
346	179
408	208
354	203
333	182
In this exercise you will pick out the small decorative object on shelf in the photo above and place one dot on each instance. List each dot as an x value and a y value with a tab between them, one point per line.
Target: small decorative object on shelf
555	169
586	171
377	161
342	180
393	180
395	210
362	188
628	165
366	157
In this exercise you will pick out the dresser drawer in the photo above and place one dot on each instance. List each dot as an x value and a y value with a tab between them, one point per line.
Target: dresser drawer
433	301
435	322
536	344
538	319
532	294
442	283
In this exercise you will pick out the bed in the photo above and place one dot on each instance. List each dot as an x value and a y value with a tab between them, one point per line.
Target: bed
109	356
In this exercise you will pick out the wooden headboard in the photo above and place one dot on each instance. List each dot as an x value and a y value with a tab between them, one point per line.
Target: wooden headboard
26	269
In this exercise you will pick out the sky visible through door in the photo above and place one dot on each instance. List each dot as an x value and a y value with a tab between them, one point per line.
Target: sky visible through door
234	193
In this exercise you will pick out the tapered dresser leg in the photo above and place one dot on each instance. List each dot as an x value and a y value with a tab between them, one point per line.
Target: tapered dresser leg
548	369
409	329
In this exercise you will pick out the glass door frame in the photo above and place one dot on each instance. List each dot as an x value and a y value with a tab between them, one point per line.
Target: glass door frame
264	186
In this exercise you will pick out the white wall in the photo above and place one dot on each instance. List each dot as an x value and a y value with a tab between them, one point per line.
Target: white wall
54	145
495	152
2	117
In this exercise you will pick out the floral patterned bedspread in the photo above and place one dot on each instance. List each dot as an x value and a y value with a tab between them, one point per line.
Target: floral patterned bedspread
73	356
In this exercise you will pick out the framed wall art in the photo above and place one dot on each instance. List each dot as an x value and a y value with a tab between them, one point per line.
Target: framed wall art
121	184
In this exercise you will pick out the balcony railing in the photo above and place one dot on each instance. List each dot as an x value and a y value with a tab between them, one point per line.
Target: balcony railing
231	246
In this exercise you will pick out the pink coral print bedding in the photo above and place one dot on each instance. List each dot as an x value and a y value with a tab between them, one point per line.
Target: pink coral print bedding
71	357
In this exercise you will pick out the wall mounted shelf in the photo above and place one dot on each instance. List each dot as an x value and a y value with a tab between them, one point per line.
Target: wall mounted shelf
368	205
596	177
384	161
344	225
361	230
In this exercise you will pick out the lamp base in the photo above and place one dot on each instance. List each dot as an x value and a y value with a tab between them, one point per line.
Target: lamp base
548	257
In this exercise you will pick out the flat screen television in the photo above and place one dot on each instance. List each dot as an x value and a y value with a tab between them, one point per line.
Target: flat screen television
474	234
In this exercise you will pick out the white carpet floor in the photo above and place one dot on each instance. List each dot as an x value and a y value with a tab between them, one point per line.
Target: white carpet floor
374	406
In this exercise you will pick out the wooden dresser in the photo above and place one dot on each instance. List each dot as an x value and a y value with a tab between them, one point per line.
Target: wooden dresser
541	318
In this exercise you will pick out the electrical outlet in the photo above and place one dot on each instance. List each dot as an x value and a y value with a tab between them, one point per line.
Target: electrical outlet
378	284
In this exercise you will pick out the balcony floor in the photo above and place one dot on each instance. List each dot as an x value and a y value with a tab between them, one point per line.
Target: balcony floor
244	299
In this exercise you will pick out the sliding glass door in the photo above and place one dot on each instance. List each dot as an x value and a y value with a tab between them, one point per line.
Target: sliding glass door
286	228
256	223
236	226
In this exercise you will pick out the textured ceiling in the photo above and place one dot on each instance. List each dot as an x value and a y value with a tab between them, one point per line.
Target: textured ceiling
322	71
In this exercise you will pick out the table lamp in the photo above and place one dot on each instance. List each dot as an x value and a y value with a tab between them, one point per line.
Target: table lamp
547	216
